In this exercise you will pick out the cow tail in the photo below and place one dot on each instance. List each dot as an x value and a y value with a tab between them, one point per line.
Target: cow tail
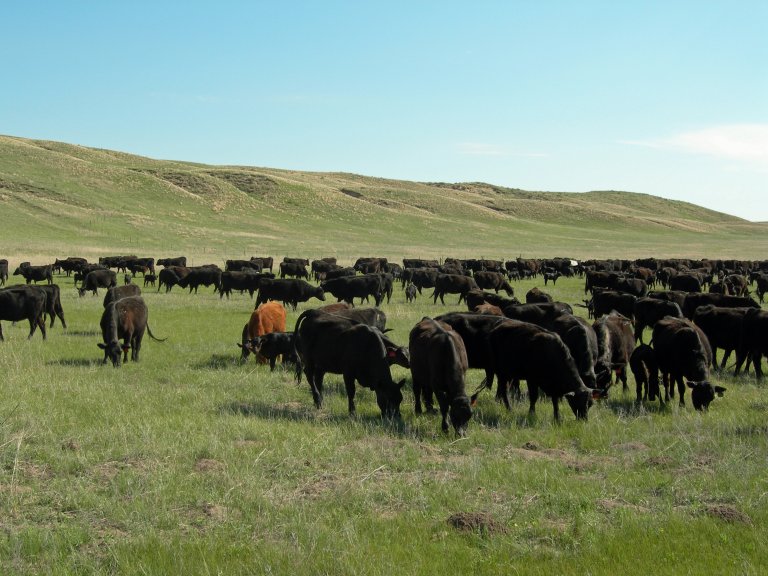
154	337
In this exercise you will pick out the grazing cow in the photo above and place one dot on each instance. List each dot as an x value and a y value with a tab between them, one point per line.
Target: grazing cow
523	351
537	296
604	301
169	278
288	291
328	343
723	328
474	298
118	292
648	311
268	317
682	351
646	372
23	303
540	314
273	345
762	286
178	261
486	308
124	319
348	288
452	284
693	301
201	276
493	281
754	338
35	273
244	280
410	293
438	365
240	265
98	279
150	280
615	342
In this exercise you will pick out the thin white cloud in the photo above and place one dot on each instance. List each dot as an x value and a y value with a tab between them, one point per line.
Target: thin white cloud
485	149
746	142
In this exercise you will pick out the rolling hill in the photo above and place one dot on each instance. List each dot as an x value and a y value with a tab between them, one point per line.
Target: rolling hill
62	199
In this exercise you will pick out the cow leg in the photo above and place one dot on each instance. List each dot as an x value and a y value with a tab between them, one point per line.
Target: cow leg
669	387
1	333
502	394
641	388
533	396
556	407
349	384
726	355
442	400
272	363
315	378
757	358
681	389
621	374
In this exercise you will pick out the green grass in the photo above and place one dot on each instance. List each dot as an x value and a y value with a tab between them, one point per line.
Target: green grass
191	463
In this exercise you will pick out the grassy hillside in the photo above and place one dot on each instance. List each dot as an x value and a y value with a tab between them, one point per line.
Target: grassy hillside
71	200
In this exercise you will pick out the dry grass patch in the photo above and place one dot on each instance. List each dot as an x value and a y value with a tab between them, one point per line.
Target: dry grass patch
727	514
479	522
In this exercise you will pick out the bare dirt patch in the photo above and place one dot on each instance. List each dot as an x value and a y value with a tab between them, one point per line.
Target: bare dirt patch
208	465
727	513
481	522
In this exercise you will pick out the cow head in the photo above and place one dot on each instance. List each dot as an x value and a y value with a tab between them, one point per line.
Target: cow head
460	412
702	394
398	355
389	398
581	400
113	351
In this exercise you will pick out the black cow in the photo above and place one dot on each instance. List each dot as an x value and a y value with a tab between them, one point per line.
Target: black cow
273	345
523	351
244	280
421	277
682	351
124	319
150	280
693	301
599	279
604	301
53	308
537	296
635	286
648	311
754	338
201	276
3	271
288	291
169	278
267	262
646	372
452	284
474	298
35	273
615	343
70	264
23	304
723	328
348	288
685	283
178	261
240	265
118	292
328	343
98	279
493	281
438	365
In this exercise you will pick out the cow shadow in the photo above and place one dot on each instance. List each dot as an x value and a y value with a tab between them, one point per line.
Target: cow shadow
87	333
76	362
629	405
292	411
219	362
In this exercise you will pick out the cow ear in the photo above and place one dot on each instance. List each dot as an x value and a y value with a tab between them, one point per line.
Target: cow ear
569	394
102	345
401	384
719	390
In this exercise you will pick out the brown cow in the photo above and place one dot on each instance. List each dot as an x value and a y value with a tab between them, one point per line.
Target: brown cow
268	317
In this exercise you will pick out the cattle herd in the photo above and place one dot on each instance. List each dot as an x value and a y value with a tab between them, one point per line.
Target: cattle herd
692	307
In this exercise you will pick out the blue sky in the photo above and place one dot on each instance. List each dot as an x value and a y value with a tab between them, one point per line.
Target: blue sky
668	98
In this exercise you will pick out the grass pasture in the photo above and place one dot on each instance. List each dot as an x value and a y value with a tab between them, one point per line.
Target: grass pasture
192	463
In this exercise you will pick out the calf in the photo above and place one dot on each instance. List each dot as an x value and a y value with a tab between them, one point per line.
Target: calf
124	319
644	368
150	280
274	344
615	342
438	366
410	293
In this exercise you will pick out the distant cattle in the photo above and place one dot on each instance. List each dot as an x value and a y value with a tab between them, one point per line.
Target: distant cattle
240	265
124	319
70	264
118	292
98	279
523	351
438	365
289	291
327	343
682	351
177	261
348	288
245	280
23	303
267	262
268	317
35	273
